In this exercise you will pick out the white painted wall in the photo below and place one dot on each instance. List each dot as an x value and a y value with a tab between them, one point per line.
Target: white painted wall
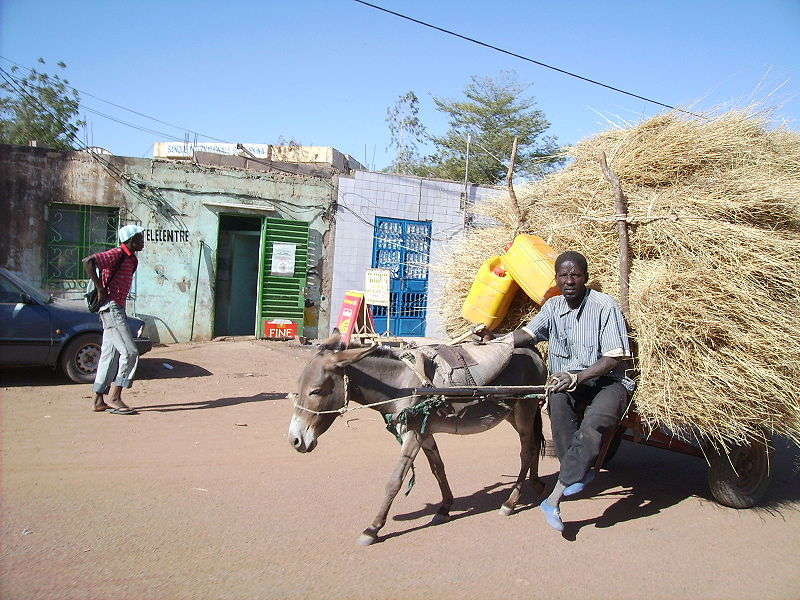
367	194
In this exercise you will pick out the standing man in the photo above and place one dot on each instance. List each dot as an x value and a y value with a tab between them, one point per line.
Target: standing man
588	342
118	357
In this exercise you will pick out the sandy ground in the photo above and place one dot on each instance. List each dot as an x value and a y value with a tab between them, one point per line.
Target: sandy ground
200	496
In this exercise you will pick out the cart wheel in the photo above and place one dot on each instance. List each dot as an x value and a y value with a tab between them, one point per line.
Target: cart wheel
740	478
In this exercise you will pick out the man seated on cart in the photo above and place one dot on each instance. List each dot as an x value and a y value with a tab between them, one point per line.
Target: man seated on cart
587	348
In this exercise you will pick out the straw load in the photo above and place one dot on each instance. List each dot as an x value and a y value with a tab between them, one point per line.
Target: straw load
714	213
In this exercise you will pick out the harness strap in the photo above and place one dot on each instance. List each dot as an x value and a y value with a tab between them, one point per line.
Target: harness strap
411	363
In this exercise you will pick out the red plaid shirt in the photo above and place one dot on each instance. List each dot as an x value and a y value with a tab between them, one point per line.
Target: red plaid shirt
124	262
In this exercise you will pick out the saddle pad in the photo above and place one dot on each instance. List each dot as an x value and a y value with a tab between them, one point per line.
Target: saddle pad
455	356
486	362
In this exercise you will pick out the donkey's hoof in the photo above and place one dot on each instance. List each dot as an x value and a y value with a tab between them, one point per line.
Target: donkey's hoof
506	511
440	518
366	540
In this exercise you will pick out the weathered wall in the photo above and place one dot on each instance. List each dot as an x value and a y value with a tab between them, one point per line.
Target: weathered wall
178	204
366	195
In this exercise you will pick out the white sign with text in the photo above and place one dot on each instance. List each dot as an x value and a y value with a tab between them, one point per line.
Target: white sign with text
283	254
376	286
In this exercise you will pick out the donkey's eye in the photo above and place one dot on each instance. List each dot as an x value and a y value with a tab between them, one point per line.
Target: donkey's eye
315	392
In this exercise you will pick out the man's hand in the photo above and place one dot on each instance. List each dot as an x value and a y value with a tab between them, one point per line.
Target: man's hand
563	382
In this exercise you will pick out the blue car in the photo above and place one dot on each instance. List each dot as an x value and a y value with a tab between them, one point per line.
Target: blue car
37	329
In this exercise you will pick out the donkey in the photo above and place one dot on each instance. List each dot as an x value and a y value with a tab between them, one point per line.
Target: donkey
368	375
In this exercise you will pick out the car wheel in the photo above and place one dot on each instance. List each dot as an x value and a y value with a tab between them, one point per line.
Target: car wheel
79	359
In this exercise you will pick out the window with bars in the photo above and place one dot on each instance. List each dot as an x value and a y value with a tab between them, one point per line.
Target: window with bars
75	231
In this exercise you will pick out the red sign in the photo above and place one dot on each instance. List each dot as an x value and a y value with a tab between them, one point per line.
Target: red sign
354	317
348	314
280	330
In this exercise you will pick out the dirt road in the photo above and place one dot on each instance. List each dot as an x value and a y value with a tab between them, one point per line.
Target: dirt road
200	496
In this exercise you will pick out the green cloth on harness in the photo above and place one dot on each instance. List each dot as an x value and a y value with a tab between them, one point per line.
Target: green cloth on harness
425	409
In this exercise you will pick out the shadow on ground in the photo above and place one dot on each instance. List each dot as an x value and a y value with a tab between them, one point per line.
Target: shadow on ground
148	368
218	403
153	368
31	376
652	480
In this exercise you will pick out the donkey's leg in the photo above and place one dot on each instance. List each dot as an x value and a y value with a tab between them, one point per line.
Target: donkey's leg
437	468
522	420
408	452
537	447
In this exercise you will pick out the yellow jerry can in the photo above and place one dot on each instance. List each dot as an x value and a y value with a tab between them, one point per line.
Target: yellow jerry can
490	295
531	262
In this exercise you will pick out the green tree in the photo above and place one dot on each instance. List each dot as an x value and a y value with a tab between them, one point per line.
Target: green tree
492	112
406	132
39	106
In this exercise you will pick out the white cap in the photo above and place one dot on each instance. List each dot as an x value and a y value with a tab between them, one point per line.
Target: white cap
127	232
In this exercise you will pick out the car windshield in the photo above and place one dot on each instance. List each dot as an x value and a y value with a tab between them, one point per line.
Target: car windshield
27	288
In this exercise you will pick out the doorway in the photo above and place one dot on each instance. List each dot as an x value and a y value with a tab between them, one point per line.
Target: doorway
403	247
236	289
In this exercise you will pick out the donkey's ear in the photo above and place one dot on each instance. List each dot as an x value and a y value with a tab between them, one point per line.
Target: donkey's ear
348	357
333	343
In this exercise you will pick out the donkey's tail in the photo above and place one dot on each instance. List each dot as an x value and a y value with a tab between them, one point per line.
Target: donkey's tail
538	432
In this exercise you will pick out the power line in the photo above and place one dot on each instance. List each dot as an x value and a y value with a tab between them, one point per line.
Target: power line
141	114
526	58
132	125
112	170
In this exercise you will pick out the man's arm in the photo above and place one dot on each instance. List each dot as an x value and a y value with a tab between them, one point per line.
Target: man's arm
90	268
564	381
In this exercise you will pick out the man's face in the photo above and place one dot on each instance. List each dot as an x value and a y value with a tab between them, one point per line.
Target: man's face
571	280
136	243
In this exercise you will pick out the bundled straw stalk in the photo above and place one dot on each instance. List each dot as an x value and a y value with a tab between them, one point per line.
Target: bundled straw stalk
714	212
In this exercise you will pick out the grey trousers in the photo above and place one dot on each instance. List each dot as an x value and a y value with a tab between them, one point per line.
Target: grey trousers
578	421
118	356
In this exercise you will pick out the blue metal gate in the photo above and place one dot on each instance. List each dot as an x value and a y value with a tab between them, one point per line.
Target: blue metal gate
403	247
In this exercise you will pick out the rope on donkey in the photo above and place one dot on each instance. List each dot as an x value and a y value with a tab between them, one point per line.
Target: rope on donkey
422	409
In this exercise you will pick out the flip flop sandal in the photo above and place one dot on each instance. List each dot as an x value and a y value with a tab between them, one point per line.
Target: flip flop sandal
121	411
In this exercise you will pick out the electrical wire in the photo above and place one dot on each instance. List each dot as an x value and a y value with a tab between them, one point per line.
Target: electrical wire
526	58
115	173
141	114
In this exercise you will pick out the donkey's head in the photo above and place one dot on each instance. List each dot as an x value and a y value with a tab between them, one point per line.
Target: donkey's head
321	390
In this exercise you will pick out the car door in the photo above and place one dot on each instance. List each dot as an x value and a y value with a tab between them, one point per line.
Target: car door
24	327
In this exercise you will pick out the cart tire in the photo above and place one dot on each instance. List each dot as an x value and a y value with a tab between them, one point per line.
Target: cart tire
80	357
740	478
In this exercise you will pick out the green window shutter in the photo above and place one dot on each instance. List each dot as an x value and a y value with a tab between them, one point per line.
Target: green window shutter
281	296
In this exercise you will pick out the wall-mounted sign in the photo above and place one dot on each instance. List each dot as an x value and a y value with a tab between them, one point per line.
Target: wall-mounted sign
376	286
280	329
166	235
283	254
187	149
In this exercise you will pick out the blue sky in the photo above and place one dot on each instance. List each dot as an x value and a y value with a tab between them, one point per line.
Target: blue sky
324	72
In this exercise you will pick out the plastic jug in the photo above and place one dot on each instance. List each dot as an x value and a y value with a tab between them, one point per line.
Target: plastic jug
531	262
490	295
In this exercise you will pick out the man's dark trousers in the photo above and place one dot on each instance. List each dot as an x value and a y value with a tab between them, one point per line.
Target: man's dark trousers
578	421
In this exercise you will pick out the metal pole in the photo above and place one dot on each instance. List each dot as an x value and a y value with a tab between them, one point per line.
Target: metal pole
196	285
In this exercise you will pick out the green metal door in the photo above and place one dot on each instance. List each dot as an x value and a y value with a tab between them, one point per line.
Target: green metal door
282	293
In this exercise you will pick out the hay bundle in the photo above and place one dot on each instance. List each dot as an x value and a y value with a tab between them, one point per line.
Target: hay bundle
714	290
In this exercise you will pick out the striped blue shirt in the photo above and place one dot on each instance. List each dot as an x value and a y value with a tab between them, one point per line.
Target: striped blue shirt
577	338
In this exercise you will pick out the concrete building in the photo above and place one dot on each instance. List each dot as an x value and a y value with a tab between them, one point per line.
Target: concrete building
233	243
401	223
212	229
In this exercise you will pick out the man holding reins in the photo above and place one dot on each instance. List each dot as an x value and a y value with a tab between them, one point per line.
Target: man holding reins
118	356
588	344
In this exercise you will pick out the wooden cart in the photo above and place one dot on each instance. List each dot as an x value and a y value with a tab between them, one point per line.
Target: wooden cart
738	478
